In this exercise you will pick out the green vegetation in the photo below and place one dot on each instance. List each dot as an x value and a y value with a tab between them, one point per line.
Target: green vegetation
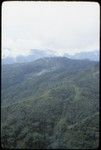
50	103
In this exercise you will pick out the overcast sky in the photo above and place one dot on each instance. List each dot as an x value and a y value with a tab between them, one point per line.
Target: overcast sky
58	26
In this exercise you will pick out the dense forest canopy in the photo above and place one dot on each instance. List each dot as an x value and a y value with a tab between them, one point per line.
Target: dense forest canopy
50	103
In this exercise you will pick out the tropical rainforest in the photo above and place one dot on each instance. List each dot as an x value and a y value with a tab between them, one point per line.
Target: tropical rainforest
50	103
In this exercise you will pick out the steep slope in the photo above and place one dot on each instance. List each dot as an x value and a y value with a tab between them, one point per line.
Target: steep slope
50	103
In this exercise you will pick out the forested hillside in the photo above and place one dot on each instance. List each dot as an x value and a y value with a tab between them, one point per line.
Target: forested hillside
50	103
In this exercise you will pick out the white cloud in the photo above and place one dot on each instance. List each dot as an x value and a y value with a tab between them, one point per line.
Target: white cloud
60	26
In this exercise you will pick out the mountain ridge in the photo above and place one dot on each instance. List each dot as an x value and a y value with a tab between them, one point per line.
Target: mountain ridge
37	54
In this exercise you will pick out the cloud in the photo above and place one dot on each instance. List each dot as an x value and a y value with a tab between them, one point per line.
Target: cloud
60	26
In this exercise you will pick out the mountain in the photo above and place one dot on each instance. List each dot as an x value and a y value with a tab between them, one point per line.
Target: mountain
50	103
37	53
34	54
8	60
94	55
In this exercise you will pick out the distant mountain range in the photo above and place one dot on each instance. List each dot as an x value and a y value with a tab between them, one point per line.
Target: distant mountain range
36	54
94	55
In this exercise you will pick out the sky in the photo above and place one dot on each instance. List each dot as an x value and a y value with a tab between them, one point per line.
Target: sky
61	27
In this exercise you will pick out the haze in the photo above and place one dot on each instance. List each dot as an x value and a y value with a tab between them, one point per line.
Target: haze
57	26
